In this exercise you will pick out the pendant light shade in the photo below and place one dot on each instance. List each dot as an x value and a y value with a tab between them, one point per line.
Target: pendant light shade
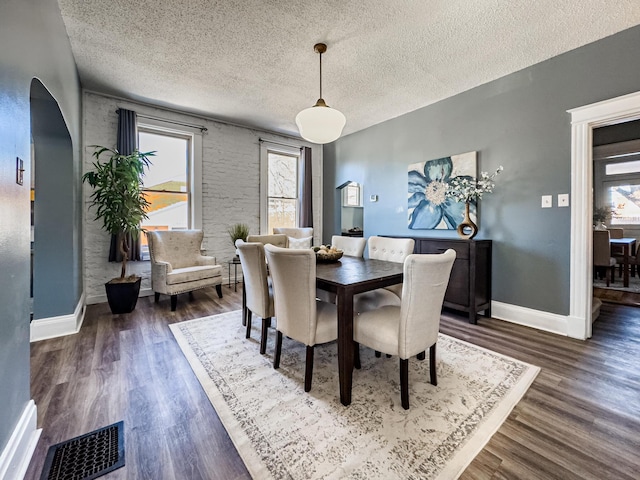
320	123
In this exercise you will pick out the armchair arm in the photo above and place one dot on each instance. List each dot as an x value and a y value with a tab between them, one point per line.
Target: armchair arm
206	260
161	267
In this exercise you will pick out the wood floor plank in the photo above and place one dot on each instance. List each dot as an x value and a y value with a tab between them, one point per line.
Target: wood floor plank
580	418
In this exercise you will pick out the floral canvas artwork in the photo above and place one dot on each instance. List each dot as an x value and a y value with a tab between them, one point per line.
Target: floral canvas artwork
429	205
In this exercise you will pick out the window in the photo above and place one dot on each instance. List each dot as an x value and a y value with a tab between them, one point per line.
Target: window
621	188
168	183
283	190
280	167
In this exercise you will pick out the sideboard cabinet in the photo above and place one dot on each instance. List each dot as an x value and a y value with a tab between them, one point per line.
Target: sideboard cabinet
469	287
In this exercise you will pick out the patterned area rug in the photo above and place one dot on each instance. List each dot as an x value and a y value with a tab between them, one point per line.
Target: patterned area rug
281	432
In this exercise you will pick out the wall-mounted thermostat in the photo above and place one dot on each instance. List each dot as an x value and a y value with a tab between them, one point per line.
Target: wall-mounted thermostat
373	198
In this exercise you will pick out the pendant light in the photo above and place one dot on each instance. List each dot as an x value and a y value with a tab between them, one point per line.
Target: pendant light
320	123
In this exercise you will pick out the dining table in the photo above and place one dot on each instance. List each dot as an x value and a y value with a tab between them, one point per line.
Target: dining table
345	278
628	249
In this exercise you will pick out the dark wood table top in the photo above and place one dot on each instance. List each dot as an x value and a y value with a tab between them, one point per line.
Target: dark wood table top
358	273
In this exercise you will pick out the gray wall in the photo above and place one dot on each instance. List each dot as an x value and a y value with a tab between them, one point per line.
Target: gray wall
518	121
34	44
55	279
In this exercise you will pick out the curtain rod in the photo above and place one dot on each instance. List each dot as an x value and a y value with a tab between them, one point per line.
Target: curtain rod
279	143
149	117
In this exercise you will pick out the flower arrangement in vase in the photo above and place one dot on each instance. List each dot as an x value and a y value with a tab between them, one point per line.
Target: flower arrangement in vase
467	190
600	216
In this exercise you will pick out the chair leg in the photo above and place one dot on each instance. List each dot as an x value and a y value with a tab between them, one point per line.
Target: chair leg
356	355
219	290
244	306
174	302
432	365
421	356
388	356
248	324
308	371
378	354
608	276
276	355
157	297
404	382
266	323
190	296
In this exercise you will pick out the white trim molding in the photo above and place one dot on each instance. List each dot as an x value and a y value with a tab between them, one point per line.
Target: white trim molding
52	327
583	121
549	322
16	456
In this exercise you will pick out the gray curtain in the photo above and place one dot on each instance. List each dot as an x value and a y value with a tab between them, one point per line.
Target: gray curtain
305	217
127	142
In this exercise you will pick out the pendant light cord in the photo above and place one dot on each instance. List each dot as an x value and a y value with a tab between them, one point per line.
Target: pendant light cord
321	75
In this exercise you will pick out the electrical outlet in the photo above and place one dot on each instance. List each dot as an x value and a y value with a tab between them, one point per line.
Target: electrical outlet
563	199
547	201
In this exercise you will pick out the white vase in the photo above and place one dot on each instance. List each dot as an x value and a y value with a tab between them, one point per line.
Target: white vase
600	226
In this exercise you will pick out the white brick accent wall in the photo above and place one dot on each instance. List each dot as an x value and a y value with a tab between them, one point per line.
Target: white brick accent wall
230	186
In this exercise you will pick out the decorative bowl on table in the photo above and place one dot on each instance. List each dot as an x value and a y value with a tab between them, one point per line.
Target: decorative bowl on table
326	254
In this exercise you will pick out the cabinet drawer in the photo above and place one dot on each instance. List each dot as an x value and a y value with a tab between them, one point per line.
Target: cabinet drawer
435	246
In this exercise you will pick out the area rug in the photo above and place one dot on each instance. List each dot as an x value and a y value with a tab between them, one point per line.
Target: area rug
281	432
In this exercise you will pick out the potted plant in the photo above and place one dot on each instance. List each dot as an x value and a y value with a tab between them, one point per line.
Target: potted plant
238	231
121	205
600	216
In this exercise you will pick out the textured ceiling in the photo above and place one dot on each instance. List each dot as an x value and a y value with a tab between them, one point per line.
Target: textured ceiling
252	62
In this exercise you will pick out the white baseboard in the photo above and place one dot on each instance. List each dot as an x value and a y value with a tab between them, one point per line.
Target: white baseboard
52	327
549	322
16	456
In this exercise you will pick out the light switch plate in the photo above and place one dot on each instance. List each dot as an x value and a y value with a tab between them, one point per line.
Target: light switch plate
563	199
547	201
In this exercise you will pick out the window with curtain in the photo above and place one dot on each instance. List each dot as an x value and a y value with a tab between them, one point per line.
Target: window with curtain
282	201
168	181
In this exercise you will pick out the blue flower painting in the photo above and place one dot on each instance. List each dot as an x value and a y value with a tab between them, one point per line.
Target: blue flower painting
429	206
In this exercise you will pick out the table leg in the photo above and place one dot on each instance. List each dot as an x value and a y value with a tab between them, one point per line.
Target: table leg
345	343
626	265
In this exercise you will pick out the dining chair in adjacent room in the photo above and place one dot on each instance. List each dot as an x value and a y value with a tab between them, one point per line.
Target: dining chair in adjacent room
617	251
409	329
602	258
391	250
257	296
300	316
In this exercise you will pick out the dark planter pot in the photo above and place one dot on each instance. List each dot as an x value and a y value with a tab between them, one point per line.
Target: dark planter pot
122	296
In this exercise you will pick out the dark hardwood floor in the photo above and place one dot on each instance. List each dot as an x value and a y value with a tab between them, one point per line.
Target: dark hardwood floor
579	420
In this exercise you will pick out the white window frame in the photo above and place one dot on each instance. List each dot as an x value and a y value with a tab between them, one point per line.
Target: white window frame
265	148
194	168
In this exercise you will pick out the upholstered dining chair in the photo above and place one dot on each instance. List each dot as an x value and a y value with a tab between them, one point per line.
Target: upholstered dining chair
177	265
602	258
617	251
391	250
300	316
296	237
351	246
412	327
257	296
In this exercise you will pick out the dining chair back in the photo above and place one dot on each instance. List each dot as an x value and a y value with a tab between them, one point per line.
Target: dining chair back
602	258
299	315
412	327
390	250
257	292
351	246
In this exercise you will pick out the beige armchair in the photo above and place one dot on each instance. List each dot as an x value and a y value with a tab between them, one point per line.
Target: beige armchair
177	266
279	240
412	327
296	237
299	315
257	294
